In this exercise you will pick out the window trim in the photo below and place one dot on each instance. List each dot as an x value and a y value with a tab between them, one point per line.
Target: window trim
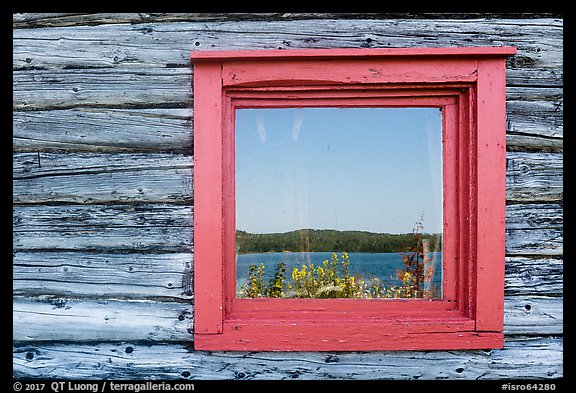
469	84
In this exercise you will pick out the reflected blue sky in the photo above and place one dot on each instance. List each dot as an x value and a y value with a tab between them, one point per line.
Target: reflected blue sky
371	169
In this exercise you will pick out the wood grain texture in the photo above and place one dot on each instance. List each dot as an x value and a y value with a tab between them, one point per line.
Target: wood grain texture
110	319
534	276
533	315
170	129
135	276
101	87
100	320
534	177
103	228
133	360
539	41
144	177
102	178
23	20
103	129
534	229
150	276
113	320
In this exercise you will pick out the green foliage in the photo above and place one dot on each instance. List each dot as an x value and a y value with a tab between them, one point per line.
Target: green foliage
325	240
255	287
276	284
331	280
419	268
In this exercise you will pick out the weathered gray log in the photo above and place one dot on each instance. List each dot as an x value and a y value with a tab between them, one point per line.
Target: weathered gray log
534	229
104	319
522	358
103	129
149	87
534	177
539	41
37	319
533	315
150	276
118	276
534	122
23	20
145	177
102	87
103	228
102	178
520	142
534	276
535	112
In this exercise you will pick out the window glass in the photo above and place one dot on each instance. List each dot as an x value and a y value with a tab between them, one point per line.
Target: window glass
339	202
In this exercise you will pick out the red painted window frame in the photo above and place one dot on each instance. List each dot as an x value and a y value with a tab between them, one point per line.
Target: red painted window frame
468	84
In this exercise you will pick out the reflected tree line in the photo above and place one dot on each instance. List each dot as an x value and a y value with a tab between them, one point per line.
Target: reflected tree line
326	240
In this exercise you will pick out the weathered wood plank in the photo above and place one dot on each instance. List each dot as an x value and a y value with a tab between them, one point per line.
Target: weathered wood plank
520	142
127	276
533	315
531	229
100	320
149	276
535	229
145	87
37	319
35	20
104	228
534	177
127	360
102	87
103	129
534	276
102	178
534	118
539	42
164	177
525	117
23	20
161	129
149	88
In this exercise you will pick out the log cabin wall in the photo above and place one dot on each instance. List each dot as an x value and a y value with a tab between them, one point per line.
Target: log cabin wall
103	249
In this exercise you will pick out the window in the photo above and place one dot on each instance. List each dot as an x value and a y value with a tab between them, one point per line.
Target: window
446	105
361	182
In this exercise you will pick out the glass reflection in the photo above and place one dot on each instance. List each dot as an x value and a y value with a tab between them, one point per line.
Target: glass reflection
339	202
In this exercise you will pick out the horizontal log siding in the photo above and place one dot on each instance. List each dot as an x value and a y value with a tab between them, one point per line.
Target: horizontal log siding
38	319
133	360
161	44
141	276
103	129
41	177
103	194
533	124
23	20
